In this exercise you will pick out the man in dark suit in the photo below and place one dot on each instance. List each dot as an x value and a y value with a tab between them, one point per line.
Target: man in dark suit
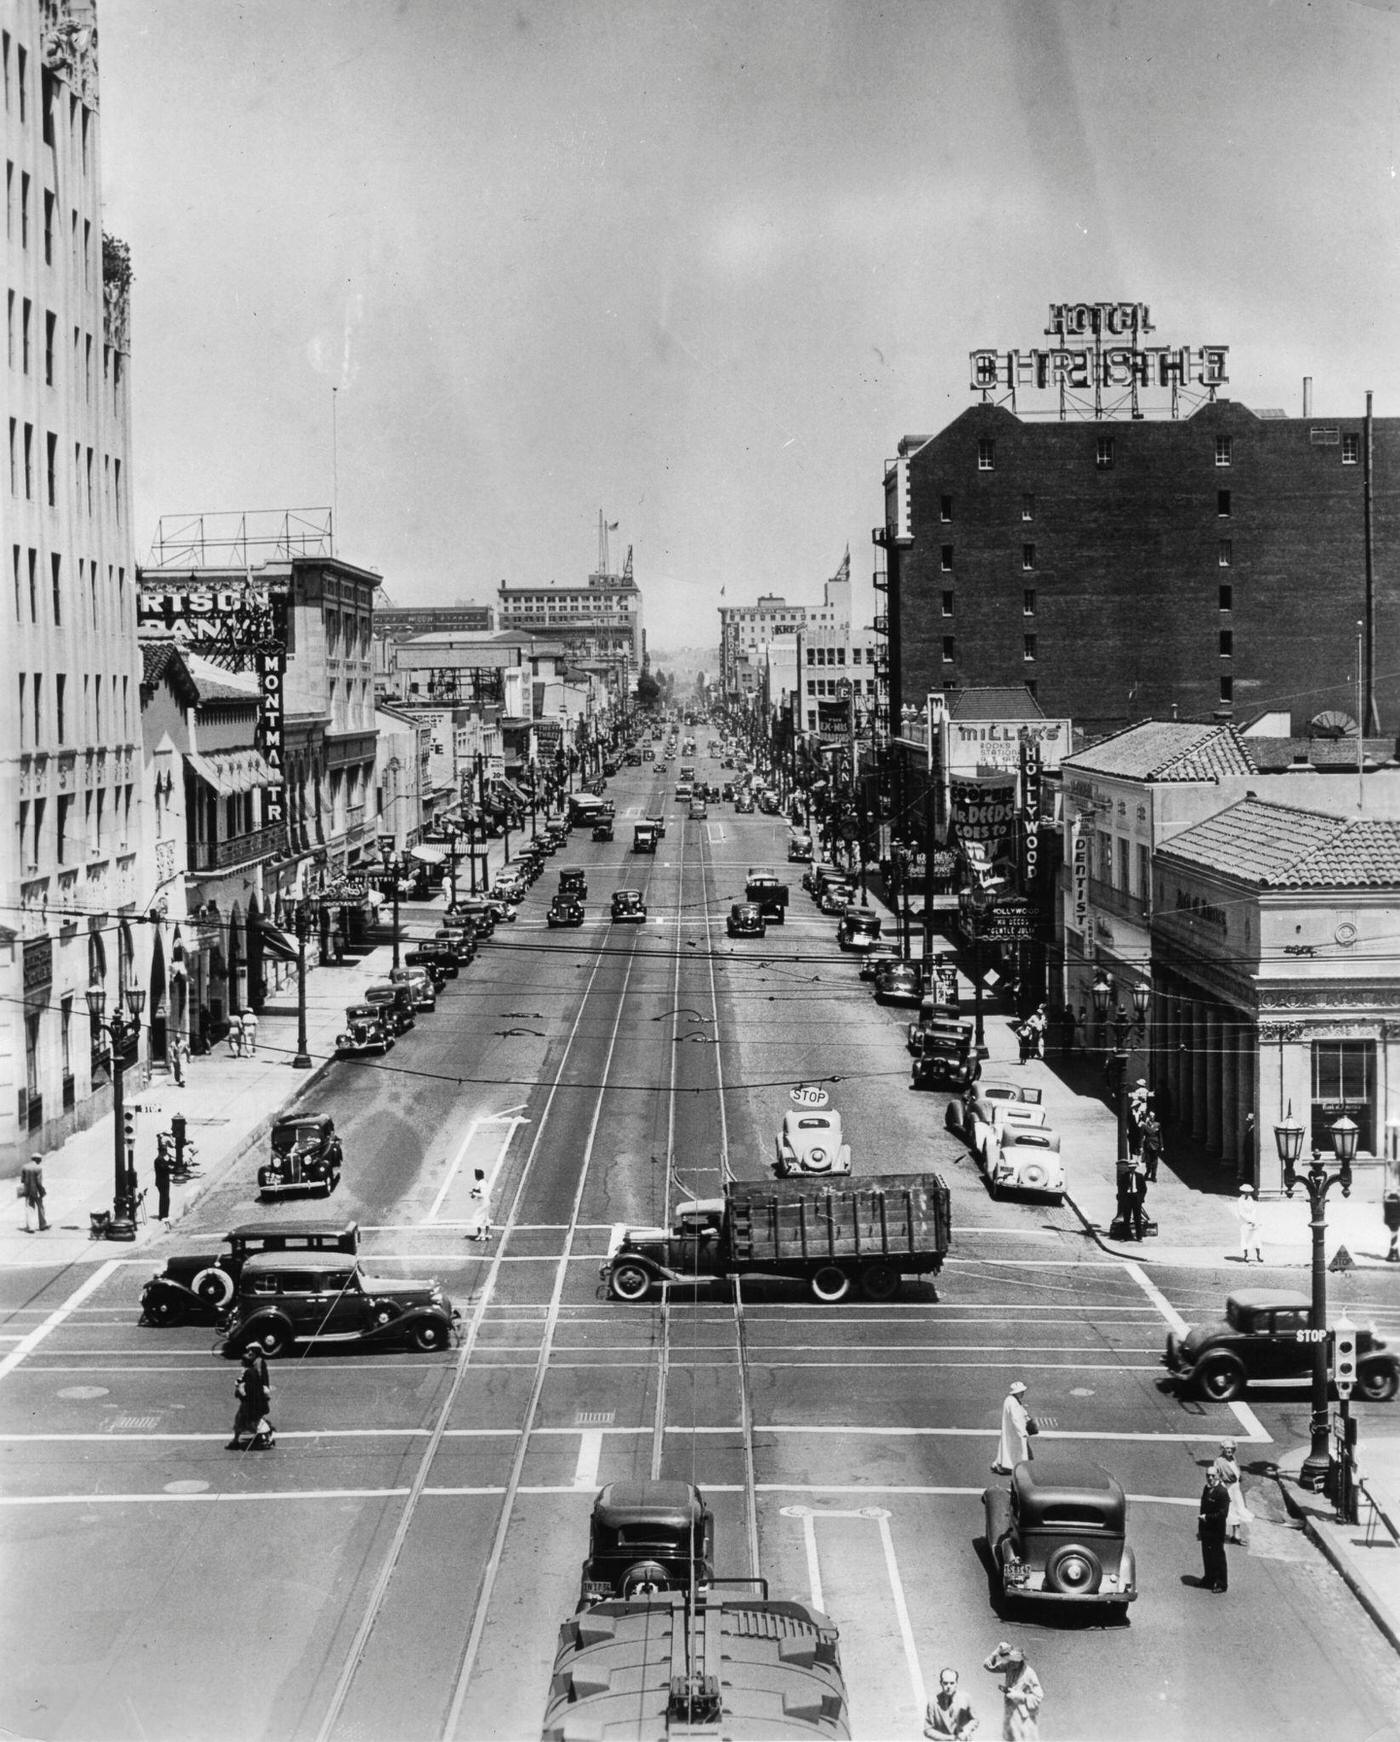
1210	1530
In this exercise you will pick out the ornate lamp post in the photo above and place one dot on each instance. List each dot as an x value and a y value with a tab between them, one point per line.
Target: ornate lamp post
1288	1136
302	1059
1117	1063
978	902
122	1029
393	867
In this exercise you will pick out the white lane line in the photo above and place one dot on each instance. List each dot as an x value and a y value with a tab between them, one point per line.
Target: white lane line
1173	1318
31	1340
814	1571
901	1609
913	1490
452	1168
1250	1422
590	1452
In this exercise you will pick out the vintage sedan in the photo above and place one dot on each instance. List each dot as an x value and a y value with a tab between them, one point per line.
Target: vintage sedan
1267	1334
395	1002
437	956
327	1299
799	847
945	1057
746	920
969	1113
898	983
457	943
627	904
743	803
200	1285
859	928
603	829
1024	1157
364	1032
883	953
420	983
306	1156
810	1142
573	880
645	1537
1057	1534
564	910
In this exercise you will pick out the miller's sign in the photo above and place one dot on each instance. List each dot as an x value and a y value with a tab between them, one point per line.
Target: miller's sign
1114	355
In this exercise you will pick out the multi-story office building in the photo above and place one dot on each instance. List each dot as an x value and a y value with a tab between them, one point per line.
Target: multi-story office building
599	622
744	632
74	879
400	622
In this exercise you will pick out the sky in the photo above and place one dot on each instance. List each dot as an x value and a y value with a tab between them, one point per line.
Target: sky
472	272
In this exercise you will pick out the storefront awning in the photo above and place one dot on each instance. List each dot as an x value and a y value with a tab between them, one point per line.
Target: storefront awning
427	854
513	792
276	943
231	771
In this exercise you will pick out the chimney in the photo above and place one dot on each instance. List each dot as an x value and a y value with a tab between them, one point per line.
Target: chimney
1307	396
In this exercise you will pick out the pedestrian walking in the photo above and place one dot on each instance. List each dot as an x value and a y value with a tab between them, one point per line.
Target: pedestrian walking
250	1033
1227	1470
1021	1692
1134	1186
177	1062
165	1162
1211	1531
1248	1212
1150	1133
31	1189
949	1712
1017	1427
254	1394
481	1208
235	1033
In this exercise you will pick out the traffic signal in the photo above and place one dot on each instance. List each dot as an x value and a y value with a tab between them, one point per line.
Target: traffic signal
129	1130
1344	1356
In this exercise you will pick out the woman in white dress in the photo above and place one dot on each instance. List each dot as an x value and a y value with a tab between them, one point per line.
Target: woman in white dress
1227	1470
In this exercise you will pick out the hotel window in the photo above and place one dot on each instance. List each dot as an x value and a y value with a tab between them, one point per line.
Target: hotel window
1227	596
1028	647
1028	602
56	568
945	557
948	604
1227	689
14	458
1227	643
1027	556
60	706
950	648
51	474
1028	508
1222	450
1222	504
29	462
1225	552
39	711
26	310
1351	450
855	656
63	827
23	210
50	323
986	454
811	686
1343	1079
945	507
1103	452
48	228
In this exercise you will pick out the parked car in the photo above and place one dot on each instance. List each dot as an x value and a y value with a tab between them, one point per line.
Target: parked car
1057	1533
1266	1334
836	897
1025	1158
974	1108
457	942
327	1299
859	928
200	1285
883	953
573	880
699	810
743	803
945	1057
898	983
810	1142
645	1537
510	885
564	910
627	904
763	885
683	790
799	846
746	920
419	982
395	1001
603	829
437	956
306	1156
364	1032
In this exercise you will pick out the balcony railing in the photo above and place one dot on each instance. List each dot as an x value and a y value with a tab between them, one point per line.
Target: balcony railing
211	856
1118	901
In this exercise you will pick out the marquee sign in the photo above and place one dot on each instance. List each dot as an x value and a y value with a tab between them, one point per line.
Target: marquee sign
1113	355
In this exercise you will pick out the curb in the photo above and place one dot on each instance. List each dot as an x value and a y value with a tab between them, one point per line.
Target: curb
1356	1582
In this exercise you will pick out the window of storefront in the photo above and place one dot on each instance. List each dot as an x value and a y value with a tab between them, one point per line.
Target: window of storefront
1343	1081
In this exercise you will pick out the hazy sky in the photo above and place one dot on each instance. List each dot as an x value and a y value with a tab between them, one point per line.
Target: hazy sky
700	265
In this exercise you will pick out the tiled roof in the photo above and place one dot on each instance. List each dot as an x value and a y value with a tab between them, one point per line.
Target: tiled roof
1010	702
1277	847
163	662
218	685
1167	750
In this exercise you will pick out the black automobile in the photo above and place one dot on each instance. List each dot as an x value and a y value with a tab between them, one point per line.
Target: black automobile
200	1285
743	804
945	1057
564	910
458	943
306	1156
645	1537
627	904
365	1031
574	881
746	920
437	956
396	1002
327	1299
859	928
603	829
764	886
899	983
1267	1334
1057	1534
881	954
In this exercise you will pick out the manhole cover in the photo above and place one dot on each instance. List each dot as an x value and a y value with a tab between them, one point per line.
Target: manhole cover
82	1393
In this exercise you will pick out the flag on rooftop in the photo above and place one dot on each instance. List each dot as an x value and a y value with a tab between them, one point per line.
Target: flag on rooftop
844	572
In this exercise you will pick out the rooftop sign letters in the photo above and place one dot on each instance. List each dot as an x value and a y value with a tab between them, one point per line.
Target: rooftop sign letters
1097	345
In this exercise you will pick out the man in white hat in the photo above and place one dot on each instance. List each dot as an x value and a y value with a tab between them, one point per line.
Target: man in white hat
1248	1212
1016	1430
1021	1692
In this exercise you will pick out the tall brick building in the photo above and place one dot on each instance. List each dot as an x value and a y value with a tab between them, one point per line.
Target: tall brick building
1210	566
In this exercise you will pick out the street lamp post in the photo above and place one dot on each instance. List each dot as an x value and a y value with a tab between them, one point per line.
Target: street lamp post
302	1059
978	902
1288	1136
121	1224
391	871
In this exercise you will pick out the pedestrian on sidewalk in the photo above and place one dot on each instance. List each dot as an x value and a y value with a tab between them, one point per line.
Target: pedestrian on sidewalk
949	1713
1132	1196
177	1061
1021	1692
1227	1470
165	1161
31	1189
1017	1426
1210	1531
1150	1135
250	1033
254	1394
1248	1212
481	1208
235	1033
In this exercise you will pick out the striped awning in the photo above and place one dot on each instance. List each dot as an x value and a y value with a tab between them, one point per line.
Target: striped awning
231	771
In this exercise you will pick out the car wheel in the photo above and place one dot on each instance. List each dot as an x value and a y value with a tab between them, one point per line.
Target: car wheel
429	1334
273	1338
1377	1381
879	1282
162	1308
214	1285
1220	1378
630	1282
830	1284
1073	1571
643	1580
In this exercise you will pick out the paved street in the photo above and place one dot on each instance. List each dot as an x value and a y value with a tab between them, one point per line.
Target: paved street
400	1563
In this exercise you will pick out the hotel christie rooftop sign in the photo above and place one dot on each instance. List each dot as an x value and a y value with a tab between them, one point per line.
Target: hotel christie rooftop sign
1097	345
